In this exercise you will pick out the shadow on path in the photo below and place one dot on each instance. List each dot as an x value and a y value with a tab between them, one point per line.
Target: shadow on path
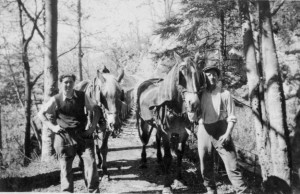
128	170
26	184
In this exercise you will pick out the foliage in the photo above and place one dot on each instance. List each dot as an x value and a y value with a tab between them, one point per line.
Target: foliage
13	134
198	29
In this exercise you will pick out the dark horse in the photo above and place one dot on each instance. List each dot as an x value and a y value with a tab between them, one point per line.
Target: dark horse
105	90
170	105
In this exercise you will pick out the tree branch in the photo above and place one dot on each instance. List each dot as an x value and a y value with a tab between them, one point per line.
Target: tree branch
36	79
33	29
32	19
21	19
277	5
74	47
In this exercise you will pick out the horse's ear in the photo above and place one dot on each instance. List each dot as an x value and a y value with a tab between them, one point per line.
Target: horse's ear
105	70
100	76
181	79
188	63
121	75
178	59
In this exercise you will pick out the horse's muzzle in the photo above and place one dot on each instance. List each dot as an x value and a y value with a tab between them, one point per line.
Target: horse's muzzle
193	116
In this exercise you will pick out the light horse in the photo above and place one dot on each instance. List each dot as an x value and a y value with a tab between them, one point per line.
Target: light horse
105	90
171	106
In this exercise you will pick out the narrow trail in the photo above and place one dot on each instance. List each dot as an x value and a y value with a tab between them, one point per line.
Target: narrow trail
123	161
123	165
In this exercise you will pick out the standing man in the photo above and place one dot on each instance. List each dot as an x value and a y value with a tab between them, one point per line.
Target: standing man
215	126
68	110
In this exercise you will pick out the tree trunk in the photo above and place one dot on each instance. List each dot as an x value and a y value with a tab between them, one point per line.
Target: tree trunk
50	69
80	54
222	44
27	104
275	104
253	75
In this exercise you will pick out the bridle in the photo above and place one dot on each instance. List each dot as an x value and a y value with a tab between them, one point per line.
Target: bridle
196	90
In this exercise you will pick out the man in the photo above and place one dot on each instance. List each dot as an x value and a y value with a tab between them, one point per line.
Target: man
68	110
215	126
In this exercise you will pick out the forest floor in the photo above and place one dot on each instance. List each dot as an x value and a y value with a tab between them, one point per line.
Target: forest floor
123	166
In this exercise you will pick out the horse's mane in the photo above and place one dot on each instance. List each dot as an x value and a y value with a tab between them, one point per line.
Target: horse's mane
82	86
168	87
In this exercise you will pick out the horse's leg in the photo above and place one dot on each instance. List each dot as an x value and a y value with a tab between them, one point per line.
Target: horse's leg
145	136
103	151
167	163
98	154
158	147
80	165
179	152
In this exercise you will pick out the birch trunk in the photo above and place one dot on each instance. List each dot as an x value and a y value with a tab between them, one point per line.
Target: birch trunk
50	69
253	77
275	104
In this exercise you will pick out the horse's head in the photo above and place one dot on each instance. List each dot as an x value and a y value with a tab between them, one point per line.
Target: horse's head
193	82
111	95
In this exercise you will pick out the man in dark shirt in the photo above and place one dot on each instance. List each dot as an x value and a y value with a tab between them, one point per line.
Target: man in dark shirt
69	109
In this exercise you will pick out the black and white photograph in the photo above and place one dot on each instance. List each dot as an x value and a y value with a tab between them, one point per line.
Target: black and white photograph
150	96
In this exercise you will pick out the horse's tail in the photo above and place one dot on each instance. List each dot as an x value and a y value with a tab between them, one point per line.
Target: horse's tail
139	90
136	106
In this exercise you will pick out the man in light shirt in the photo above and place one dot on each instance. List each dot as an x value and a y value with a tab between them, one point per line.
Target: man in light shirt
215	126
68	110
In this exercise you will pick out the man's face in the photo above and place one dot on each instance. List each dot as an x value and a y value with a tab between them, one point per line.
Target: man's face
67	84
212	77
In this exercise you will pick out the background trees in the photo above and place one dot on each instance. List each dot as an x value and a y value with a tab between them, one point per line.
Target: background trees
141	37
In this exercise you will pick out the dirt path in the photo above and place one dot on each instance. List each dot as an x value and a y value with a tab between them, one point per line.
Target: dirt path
123	166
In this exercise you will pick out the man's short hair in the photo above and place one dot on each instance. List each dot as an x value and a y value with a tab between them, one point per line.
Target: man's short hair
67	75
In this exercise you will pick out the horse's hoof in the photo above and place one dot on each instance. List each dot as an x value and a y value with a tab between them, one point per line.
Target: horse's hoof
178	184
167	190
142	166
105	178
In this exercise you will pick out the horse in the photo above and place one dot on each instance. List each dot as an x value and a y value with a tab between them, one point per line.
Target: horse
106	91
170	105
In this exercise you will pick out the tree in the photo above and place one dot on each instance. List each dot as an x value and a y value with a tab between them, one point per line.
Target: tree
28	85
80	54
267	99
278	133
50	69
168	8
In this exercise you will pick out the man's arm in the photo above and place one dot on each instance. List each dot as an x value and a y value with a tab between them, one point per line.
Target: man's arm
49	108
231	119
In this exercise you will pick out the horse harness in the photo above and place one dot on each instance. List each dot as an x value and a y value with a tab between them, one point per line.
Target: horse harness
169	113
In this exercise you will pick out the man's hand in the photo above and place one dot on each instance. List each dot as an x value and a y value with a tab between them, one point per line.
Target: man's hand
57	129
224	139
88	133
